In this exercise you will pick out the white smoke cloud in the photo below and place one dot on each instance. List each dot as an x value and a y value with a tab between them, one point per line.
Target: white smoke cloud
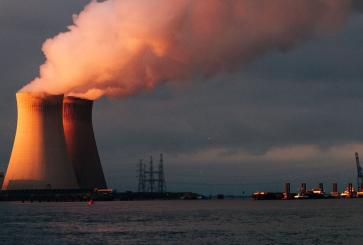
120	47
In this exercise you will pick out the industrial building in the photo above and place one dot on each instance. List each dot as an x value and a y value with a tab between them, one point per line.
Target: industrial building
39	159
81	143
54	146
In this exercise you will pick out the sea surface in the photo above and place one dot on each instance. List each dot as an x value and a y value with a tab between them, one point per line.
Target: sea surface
183	222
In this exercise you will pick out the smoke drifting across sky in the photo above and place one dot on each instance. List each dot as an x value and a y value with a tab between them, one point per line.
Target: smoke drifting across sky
120	47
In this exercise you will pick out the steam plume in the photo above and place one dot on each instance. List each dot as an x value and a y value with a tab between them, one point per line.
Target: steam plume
120	47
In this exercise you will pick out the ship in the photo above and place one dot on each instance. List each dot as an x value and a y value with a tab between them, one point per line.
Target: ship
316	193
268	196
301	195
349	192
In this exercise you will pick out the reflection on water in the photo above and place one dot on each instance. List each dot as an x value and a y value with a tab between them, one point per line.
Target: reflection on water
184	222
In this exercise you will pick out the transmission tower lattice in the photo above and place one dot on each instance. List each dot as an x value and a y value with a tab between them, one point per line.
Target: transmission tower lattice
149	179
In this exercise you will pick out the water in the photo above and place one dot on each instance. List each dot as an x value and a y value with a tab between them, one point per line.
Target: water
183	222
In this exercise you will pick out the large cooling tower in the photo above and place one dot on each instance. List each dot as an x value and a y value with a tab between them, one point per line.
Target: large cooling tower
81	143
39	159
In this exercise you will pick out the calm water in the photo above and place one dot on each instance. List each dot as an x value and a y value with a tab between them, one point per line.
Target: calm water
184	222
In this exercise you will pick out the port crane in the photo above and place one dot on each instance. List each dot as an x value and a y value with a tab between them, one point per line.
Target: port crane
359	172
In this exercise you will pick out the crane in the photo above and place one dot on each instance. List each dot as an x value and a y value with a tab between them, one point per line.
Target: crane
359	173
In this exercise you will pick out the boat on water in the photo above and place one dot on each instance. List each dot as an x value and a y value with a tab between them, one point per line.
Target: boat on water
301	195
316	193
334	194
267	196
349	192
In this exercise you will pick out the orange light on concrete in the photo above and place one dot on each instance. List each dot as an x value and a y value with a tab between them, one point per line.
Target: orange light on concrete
39	158
81	143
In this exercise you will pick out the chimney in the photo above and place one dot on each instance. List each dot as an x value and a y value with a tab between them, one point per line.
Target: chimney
335	187
321	187
81	143
350	188
287	191
303	187
39	157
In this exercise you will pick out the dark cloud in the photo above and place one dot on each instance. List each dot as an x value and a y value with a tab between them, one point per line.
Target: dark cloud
358	5
24	26
311	95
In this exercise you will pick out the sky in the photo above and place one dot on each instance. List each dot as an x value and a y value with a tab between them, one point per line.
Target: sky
292	116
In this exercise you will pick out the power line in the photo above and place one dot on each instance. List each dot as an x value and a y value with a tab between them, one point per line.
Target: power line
141	176
147	179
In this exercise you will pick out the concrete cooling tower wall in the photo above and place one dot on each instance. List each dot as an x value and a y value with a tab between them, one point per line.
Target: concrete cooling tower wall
39	158
81	143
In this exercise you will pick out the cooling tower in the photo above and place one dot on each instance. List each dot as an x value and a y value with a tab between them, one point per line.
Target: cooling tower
81	143
39	157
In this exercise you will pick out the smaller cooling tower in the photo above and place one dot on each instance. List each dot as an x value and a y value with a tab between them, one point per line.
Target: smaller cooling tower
81	143
39	158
